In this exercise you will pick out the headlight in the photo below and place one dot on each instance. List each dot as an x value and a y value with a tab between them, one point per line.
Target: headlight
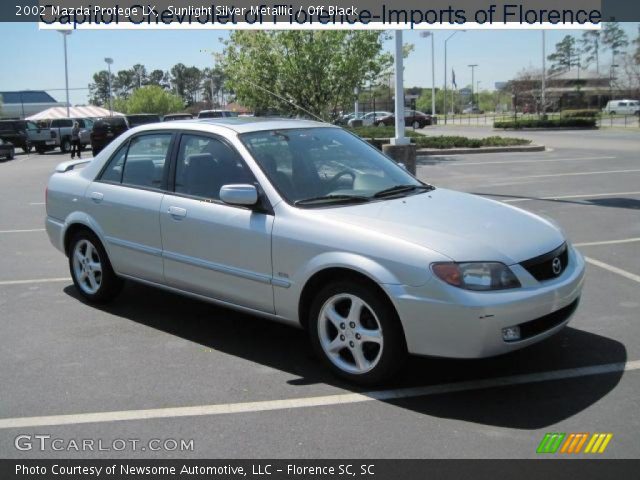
480	276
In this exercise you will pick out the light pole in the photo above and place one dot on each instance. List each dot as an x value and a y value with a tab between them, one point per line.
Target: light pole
399	139
213	55
543	93
433	72
445	74
109	61
473	69
65	33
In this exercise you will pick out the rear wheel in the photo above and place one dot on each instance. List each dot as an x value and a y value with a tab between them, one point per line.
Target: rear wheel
91	270
27	148
356	333
11	154
381	124
65	146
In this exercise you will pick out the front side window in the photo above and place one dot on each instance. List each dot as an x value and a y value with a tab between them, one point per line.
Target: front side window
315	166
205	164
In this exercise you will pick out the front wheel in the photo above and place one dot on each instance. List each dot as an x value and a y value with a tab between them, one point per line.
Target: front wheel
356	333
91	270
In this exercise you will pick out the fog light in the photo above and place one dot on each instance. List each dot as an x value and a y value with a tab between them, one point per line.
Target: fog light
511	334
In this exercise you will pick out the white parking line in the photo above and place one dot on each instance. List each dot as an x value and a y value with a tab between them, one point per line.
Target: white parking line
607	242
561	197
305	402
29	230
462	164
37	203
553	175
34	280
612	269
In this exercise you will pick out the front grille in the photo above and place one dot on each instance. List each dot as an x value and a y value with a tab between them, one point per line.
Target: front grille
542	267
542	324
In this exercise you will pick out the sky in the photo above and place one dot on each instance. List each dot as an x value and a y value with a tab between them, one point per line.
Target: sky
37	57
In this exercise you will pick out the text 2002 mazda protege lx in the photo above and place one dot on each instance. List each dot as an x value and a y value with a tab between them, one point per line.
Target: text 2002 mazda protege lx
305	223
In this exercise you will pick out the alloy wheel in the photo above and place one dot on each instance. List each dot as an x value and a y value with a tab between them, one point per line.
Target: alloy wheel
350	334
87	267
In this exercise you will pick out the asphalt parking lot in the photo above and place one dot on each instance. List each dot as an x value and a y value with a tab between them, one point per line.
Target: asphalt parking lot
154	365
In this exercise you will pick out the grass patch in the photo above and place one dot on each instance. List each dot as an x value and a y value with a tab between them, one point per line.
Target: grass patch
547	123
380	135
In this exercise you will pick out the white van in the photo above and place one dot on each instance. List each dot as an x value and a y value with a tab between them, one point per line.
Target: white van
626	107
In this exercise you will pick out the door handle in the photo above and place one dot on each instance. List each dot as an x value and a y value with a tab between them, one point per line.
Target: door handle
177	212
96	196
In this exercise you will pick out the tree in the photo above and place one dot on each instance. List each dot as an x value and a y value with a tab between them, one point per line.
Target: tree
636	54
615	39
317	70
150	99
186	82
590	43
124	83
140	74
158	78
99	89
567	55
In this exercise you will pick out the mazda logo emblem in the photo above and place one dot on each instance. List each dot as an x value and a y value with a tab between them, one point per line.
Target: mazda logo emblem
556	266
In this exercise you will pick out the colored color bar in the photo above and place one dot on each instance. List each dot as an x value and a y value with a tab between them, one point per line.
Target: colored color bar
606	441
582	440
567	443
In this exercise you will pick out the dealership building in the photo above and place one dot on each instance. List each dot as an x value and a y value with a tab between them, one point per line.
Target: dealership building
25	103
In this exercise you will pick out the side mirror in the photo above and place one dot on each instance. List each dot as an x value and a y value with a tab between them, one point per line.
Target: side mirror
240	194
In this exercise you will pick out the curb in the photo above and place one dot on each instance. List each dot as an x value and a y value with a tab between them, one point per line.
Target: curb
464	151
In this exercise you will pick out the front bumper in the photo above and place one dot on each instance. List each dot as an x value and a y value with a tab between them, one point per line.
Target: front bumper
442	320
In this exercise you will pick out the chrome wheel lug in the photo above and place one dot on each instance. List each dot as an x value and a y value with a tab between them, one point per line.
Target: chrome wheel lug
351	344
342	337
343	326
358	337
352	325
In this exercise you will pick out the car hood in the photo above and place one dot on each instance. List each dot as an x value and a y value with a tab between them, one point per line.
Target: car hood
461	226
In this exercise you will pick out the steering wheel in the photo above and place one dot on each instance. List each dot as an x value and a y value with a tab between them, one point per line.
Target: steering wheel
334	180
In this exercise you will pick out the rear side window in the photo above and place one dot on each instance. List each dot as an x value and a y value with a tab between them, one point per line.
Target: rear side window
141	162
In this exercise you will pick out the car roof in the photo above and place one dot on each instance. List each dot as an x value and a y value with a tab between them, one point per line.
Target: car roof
239	124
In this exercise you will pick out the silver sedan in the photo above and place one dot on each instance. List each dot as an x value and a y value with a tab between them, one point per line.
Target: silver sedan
306	224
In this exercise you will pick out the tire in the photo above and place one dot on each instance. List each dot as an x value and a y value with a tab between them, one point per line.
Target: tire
381	124
338	339
88	260
40	150
65	146
11	155
612	112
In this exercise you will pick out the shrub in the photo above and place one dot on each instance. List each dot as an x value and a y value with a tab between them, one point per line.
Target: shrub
580	113
445	142
548	123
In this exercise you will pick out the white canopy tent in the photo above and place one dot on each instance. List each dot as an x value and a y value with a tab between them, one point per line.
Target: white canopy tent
74	112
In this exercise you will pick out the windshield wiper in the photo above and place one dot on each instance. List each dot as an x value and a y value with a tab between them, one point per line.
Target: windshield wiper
398	189
333	199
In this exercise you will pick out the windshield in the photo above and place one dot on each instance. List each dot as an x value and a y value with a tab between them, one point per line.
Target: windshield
324	163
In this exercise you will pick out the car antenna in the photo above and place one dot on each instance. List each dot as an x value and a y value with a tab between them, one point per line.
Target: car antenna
285	99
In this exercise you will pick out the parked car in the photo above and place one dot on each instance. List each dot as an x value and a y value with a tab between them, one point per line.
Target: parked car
305	223
107	128
24	134
177	116
473	109
623	107
412	118
61	133
217	114
7	150
369	118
